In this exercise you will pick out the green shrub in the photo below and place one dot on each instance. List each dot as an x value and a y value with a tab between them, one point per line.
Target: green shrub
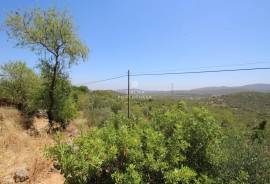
64	108
97	117
81	97
134	151
101	105
20	85
243	161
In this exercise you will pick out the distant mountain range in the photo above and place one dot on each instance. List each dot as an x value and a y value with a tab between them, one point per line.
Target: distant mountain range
206	91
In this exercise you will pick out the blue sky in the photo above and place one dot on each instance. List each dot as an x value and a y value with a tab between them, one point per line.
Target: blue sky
161	35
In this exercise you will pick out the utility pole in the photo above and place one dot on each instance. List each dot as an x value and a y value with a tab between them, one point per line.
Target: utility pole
172	88
128	94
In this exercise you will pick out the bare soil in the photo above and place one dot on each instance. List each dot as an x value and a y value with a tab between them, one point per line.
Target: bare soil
18	148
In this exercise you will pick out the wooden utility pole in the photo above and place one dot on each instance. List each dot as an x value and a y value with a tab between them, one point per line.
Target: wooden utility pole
128	94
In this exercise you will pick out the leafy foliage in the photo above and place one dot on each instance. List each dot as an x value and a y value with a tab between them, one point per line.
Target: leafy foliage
20	86
52	36
243	161
101	106
162	142
135	151
48	30
65	108
174	144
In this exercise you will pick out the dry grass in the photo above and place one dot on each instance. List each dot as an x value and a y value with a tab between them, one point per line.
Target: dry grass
19	149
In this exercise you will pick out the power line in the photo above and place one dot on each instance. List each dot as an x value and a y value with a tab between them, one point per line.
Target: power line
173	73
202	71
178	73
209	67
103	80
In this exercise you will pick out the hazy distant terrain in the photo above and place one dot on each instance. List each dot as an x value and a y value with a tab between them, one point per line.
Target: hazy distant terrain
203	92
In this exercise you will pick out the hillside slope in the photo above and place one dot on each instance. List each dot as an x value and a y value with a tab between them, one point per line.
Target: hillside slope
249	108
18	149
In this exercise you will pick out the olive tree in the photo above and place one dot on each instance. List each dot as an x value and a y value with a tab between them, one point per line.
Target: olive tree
51	35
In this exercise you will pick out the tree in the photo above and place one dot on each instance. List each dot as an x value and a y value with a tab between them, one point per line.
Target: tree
19	85
65	107
51	35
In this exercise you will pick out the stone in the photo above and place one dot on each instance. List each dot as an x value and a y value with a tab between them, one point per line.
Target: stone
33	132
1	117
21	175
56	165
41	114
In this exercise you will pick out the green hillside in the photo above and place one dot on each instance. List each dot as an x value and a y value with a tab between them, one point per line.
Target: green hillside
248	108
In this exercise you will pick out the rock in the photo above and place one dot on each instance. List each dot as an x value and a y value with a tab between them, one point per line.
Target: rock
21	175
53	168
54	128
1	117
33	132
56	165
41	114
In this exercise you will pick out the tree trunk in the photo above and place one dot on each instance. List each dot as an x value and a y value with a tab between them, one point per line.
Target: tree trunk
51	93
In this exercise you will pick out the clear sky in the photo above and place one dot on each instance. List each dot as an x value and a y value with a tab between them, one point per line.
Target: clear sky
161	35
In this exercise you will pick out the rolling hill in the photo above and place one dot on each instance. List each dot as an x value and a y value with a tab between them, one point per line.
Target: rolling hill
203	92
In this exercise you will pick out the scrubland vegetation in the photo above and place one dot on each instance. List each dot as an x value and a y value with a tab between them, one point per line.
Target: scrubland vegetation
173	145
167	140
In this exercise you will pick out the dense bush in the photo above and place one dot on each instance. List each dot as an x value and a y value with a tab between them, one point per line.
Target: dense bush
101	106
64	108
80	95
20	86
244	161
173	146
134	151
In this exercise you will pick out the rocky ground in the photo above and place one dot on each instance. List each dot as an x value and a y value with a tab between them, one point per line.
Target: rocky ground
22	157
